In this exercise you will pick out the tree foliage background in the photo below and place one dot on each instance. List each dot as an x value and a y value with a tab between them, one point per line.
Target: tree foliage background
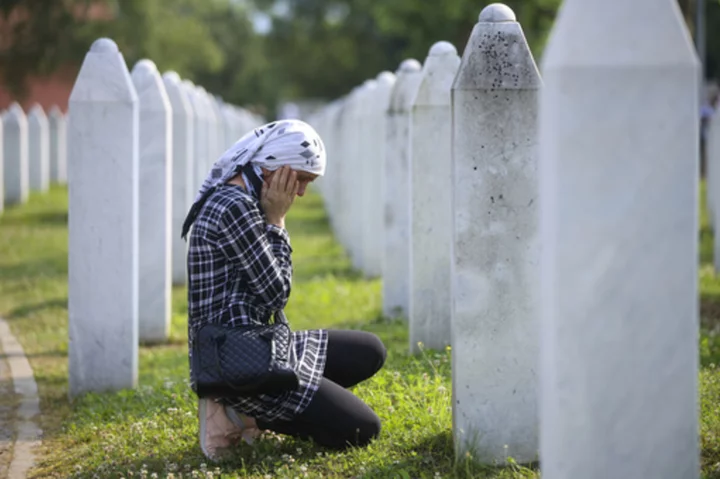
313	48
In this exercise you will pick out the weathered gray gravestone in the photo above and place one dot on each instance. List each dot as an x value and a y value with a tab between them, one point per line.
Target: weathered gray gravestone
58	146
496	251
431	200
618	196
396	191
155	194
38	149
103	224
15	156
183	191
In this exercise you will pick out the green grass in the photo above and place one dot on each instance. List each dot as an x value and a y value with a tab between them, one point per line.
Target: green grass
153	429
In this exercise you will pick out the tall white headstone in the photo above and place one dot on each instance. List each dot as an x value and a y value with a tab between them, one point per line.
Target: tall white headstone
15	149
103	224
350	228
619	222
396	191
431	200
374	164
58	146
155	159
495	251
211	126
38	149
366	176
200	135
183	190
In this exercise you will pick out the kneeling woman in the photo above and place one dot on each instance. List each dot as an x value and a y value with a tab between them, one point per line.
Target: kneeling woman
240	273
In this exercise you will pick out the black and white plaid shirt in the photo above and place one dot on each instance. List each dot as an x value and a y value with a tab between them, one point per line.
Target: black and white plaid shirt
239	264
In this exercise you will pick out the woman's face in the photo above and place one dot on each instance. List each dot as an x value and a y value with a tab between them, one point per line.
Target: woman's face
303	177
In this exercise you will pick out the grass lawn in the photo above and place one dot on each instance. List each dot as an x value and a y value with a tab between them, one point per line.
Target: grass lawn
153	429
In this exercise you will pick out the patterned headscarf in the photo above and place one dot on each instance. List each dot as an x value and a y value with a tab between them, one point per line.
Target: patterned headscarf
286	142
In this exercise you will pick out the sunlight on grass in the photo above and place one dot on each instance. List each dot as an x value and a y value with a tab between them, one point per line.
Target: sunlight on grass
153	429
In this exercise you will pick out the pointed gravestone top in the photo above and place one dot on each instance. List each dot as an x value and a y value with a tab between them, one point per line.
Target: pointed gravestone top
385	78
55	112
36	112
580	35
149	86
14	114
408	79
497	56
103	76
410	65
496	12
442	48
438	74
104	45
172	77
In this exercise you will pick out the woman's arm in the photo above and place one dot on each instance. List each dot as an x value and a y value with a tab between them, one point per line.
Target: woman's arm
260	251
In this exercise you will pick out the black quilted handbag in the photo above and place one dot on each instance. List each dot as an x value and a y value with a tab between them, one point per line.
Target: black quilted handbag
244	360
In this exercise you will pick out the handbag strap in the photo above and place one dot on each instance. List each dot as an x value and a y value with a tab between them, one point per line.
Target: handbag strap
280	318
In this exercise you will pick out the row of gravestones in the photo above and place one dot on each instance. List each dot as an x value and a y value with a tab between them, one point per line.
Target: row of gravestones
33	152
545	228
139	146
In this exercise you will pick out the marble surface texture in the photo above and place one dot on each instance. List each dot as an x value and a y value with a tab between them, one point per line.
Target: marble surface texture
183	192
396	191
431	201
155	202
103	224
619	223
495	255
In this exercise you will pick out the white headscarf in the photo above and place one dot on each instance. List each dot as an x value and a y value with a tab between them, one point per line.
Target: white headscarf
285	142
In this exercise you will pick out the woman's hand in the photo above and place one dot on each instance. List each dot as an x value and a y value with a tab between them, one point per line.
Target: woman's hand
278	195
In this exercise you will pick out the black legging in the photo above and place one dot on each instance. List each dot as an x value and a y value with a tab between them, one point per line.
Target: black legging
336	418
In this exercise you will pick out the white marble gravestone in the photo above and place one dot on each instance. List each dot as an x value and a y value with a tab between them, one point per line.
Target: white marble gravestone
396	191
431	200
496	247
619	225
211	126
374	167
183	191
103	224
365	177
200	130
58	146
350	223
38	149
15	156
155	160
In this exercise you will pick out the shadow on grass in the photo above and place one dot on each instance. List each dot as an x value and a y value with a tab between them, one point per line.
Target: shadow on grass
46	267
30	309
49	218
